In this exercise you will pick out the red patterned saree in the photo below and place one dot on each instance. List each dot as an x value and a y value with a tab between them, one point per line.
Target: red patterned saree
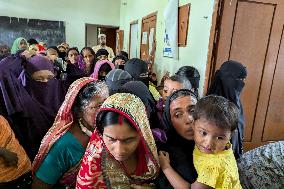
99	169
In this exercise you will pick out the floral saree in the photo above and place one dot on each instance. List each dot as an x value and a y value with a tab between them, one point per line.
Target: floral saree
99	169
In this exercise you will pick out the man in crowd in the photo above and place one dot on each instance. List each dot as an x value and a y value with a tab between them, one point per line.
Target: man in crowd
102	45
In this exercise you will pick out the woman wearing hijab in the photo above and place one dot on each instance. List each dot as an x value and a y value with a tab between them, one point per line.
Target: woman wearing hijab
229	82
138	69
59	157
31	98
102	68
19	44
117	78
119	61
180	144
139	89
122	150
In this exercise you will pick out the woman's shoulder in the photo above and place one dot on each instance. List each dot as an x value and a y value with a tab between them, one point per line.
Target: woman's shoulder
67	141
66	150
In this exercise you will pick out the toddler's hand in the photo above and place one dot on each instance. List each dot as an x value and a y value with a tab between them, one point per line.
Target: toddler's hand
164	159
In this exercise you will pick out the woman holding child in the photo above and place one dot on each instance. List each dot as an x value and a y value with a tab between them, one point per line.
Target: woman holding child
215	119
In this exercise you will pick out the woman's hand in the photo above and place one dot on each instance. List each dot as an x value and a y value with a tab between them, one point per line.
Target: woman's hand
10	158
164	159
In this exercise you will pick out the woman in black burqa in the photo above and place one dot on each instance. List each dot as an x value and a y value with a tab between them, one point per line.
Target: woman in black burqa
228	82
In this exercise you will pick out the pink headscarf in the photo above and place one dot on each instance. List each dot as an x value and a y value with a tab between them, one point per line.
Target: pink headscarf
98	65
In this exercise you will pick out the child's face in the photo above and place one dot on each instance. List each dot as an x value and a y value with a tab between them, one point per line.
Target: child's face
170	87
209	138
52	54
102	57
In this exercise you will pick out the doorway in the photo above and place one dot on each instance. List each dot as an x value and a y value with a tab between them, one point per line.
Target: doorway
251	32
92	32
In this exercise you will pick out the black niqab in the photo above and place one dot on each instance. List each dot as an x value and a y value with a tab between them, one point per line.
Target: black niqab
228	82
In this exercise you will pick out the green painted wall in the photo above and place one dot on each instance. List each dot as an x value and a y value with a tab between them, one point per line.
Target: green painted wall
194	54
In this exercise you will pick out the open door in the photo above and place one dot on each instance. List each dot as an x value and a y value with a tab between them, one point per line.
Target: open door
111	36
92	32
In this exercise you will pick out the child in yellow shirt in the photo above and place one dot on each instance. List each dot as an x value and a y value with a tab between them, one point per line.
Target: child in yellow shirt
215	121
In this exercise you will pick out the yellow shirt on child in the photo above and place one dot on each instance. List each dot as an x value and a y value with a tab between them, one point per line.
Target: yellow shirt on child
154	91
218	171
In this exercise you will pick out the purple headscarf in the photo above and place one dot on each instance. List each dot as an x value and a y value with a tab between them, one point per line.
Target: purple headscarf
32	108
33	65
81	63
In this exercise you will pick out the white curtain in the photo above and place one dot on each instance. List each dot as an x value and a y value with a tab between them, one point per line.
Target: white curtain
134	41
171	19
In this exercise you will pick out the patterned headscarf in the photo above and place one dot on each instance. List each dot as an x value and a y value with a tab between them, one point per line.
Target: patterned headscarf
99	169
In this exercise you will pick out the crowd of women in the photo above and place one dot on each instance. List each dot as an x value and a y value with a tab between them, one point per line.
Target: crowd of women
73	119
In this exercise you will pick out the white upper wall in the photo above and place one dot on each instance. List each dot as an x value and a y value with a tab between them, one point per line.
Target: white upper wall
75	13
200	20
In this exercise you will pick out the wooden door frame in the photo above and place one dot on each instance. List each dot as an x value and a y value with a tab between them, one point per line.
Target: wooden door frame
129	43
98	25
150	15
143	18
213	43
211	66
187	22
121	41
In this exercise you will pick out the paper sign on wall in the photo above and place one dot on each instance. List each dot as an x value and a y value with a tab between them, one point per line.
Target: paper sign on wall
167	51
151	39
171	33
144	38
